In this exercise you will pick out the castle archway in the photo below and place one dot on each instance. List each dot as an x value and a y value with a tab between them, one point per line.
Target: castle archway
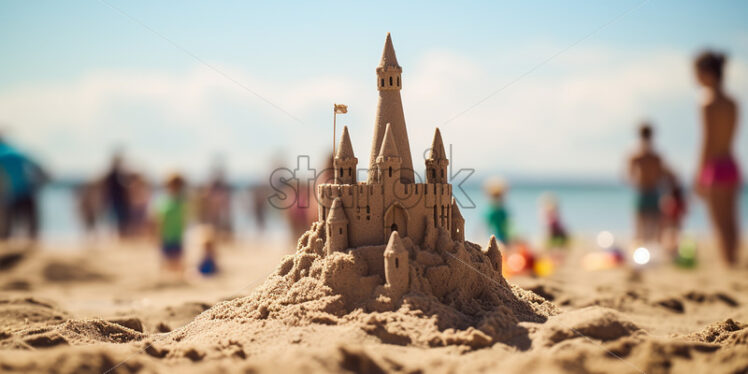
395	219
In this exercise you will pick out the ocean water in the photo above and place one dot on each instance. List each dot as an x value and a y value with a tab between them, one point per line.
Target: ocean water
585	211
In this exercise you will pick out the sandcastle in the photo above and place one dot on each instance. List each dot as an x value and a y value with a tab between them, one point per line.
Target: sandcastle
390	207
388	255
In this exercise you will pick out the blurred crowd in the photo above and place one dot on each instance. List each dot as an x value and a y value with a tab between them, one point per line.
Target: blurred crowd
661	199
136	208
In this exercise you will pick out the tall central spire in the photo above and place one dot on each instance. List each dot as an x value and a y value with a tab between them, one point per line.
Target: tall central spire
390	110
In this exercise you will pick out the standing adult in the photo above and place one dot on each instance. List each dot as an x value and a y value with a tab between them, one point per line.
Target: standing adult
21	179
718	178
116	192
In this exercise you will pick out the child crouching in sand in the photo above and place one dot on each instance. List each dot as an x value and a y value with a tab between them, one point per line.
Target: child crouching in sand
172	220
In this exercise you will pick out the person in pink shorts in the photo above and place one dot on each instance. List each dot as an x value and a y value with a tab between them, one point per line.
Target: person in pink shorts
718	179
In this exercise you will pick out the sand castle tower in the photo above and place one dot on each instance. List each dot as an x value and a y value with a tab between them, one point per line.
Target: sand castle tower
396	266
436	163
392	227
337	228
345	162
388	161
390	111
389	208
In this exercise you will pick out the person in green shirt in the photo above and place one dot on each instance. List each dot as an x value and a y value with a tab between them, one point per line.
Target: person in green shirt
497	215
172	221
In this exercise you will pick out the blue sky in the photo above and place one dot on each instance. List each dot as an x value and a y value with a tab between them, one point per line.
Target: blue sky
79	77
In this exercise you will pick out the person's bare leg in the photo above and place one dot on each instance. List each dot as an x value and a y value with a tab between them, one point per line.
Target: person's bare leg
722	201
650	228
639	228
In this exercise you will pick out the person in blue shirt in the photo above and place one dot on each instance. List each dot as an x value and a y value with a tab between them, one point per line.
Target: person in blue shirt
20	180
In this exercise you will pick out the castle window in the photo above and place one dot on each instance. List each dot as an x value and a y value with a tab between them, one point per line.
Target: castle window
382	82
442	173
393	228
341	231
341	172
368	210
350	171
398	81
390	81
397	263
390	171
433	173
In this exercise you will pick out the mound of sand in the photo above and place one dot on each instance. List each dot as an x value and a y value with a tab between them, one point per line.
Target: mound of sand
457	296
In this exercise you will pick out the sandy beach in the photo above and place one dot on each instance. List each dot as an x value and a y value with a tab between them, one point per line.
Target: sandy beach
106	309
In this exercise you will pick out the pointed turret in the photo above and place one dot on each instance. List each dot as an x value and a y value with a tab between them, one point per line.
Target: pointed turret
437	147
345	149
345	162
336	228
389	147
396	266
458	222
388	55
436	163
390	110
389	162
337	214
493	253
394	245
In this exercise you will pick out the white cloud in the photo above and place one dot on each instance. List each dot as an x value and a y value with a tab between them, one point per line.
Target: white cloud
575	114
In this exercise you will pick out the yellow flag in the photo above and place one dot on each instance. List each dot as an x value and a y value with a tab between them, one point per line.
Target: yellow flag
341	108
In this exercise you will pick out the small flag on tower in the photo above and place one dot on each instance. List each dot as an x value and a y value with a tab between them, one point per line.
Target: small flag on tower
341	108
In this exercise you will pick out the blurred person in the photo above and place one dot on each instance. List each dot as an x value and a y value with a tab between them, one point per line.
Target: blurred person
673	207
208	265
21	179
88	196
645	173
217	205
497	215
556	235
171	222
117	196
718	179
326	175
303	212
139	195
298	215
258	195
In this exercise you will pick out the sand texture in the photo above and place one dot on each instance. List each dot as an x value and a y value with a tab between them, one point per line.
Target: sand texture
107	310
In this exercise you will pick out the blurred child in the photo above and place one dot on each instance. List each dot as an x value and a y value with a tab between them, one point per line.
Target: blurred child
208	265
172	221
497	216
673	207
646	172
555	231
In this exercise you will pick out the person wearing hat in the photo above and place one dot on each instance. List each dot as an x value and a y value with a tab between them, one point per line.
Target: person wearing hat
497	216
